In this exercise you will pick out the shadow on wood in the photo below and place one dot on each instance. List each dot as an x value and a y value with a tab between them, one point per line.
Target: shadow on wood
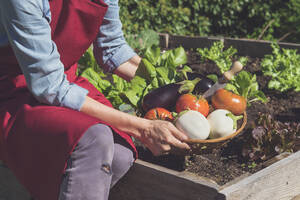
151	182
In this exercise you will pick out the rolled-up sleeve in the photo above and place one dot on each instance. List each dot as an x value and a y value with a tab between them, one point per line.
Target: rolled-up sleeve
110	47
29	35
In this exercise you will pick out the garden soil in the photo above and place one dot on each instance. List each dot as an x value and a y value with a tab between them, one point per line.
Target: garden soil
226	163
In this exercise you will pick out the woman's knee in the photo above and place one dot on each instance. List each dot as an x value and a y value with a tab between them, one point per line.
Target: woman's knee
123	155
97	139
88	174
122	161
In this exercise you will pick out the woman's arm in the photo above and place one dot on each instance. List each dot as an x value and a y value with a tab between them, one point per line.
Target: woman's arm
159	136
127	70
114	55
29	35
111	50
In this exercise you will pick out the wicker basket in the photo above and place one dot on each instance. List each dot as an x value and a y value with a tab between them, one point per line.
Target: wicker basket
200	146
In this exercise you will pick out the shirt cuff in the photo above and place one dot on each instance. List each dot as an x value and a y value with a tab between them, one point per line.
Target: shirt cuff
75	97
119	56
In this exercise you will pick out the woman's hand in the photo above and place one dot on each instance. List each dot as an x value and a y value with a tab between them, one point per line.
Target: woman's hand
160	136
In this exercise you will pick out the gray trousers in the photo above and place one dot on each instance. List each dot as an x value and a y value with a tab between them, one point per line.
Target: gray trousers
99	160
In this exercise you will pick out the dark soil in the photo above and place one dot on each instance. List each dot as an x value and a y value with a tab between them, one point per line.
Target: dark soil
227	163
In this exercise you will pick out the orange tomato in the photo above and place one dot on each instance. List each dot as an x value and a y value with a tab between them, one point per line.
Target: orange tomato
159	113
192	102
224	99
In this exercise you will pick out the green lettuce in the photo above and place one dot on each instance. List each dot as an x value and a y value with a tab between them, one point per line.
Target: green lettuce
157	68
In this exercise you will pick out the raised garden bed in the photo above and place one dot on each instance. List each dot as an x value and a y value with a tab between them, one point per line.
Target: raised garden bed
222	173
148	181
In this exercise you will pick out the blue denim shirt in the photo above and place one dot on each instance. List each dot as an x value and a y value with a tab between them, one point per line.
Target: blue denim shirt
24	24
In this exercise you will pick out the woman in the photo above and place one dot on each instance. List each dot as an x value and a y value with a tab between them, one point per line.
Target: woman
59	135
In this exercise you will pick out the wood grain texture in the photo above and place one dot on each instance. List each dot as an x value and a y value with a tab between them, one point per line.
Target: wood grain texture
151	182
245	47
256	48
280	181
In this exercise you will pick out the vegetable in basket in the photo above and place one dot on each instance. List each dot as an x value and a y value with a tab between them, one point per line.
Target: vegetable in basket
224	99
193	124
192	102
167	95
159	113
203	85
222	123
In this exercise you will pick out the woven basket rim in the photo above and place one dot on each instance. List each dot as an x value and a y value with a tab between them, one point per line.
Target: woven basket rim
221	139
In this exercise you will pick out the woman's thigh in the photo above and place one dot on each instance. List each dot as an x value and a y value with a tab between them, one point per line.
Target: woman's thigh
96	164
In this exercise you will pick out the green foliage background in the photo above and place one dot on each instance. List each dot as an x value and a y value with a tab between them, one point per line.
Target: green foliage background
230	18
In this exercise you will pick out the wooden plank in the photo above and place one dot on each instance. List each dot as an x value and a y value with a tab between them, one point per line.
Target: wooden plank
280	181
245	47
147	181
189	42
151	182
255	48
10	188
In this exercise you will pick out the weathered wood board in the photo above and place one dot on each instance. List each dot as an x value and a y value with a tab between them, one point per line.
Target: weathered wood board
151	182
245	47
279	181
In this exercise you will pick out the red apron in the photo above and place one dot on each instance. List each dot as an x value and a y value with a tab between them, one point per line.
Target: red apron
36	139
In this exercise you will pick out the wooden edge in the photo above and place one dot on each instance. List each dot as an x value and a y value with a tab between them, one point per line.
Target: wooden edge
277	181
148	182
245	47
266	164
222	139
185	175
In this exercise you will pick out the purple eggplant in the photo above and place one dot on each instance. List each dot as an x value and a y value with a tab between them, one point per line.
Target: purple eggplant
167	95
204	83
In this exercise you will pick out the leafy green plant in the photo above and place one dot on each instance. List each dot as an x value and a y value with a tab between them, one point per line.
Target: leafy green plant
140	42
271	137
156	69
88	59
109	85
257	19
290	22
245	84
222	57
180	17
251	165
283	68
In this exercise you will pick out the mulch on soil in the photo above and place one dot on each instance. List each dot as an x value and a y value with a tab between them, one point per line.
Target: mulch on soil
226	163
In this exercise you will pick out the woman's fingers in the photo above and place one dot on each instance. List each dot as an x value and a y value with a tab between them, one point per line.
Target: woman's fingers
163	136
176	133
177	143
174	137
